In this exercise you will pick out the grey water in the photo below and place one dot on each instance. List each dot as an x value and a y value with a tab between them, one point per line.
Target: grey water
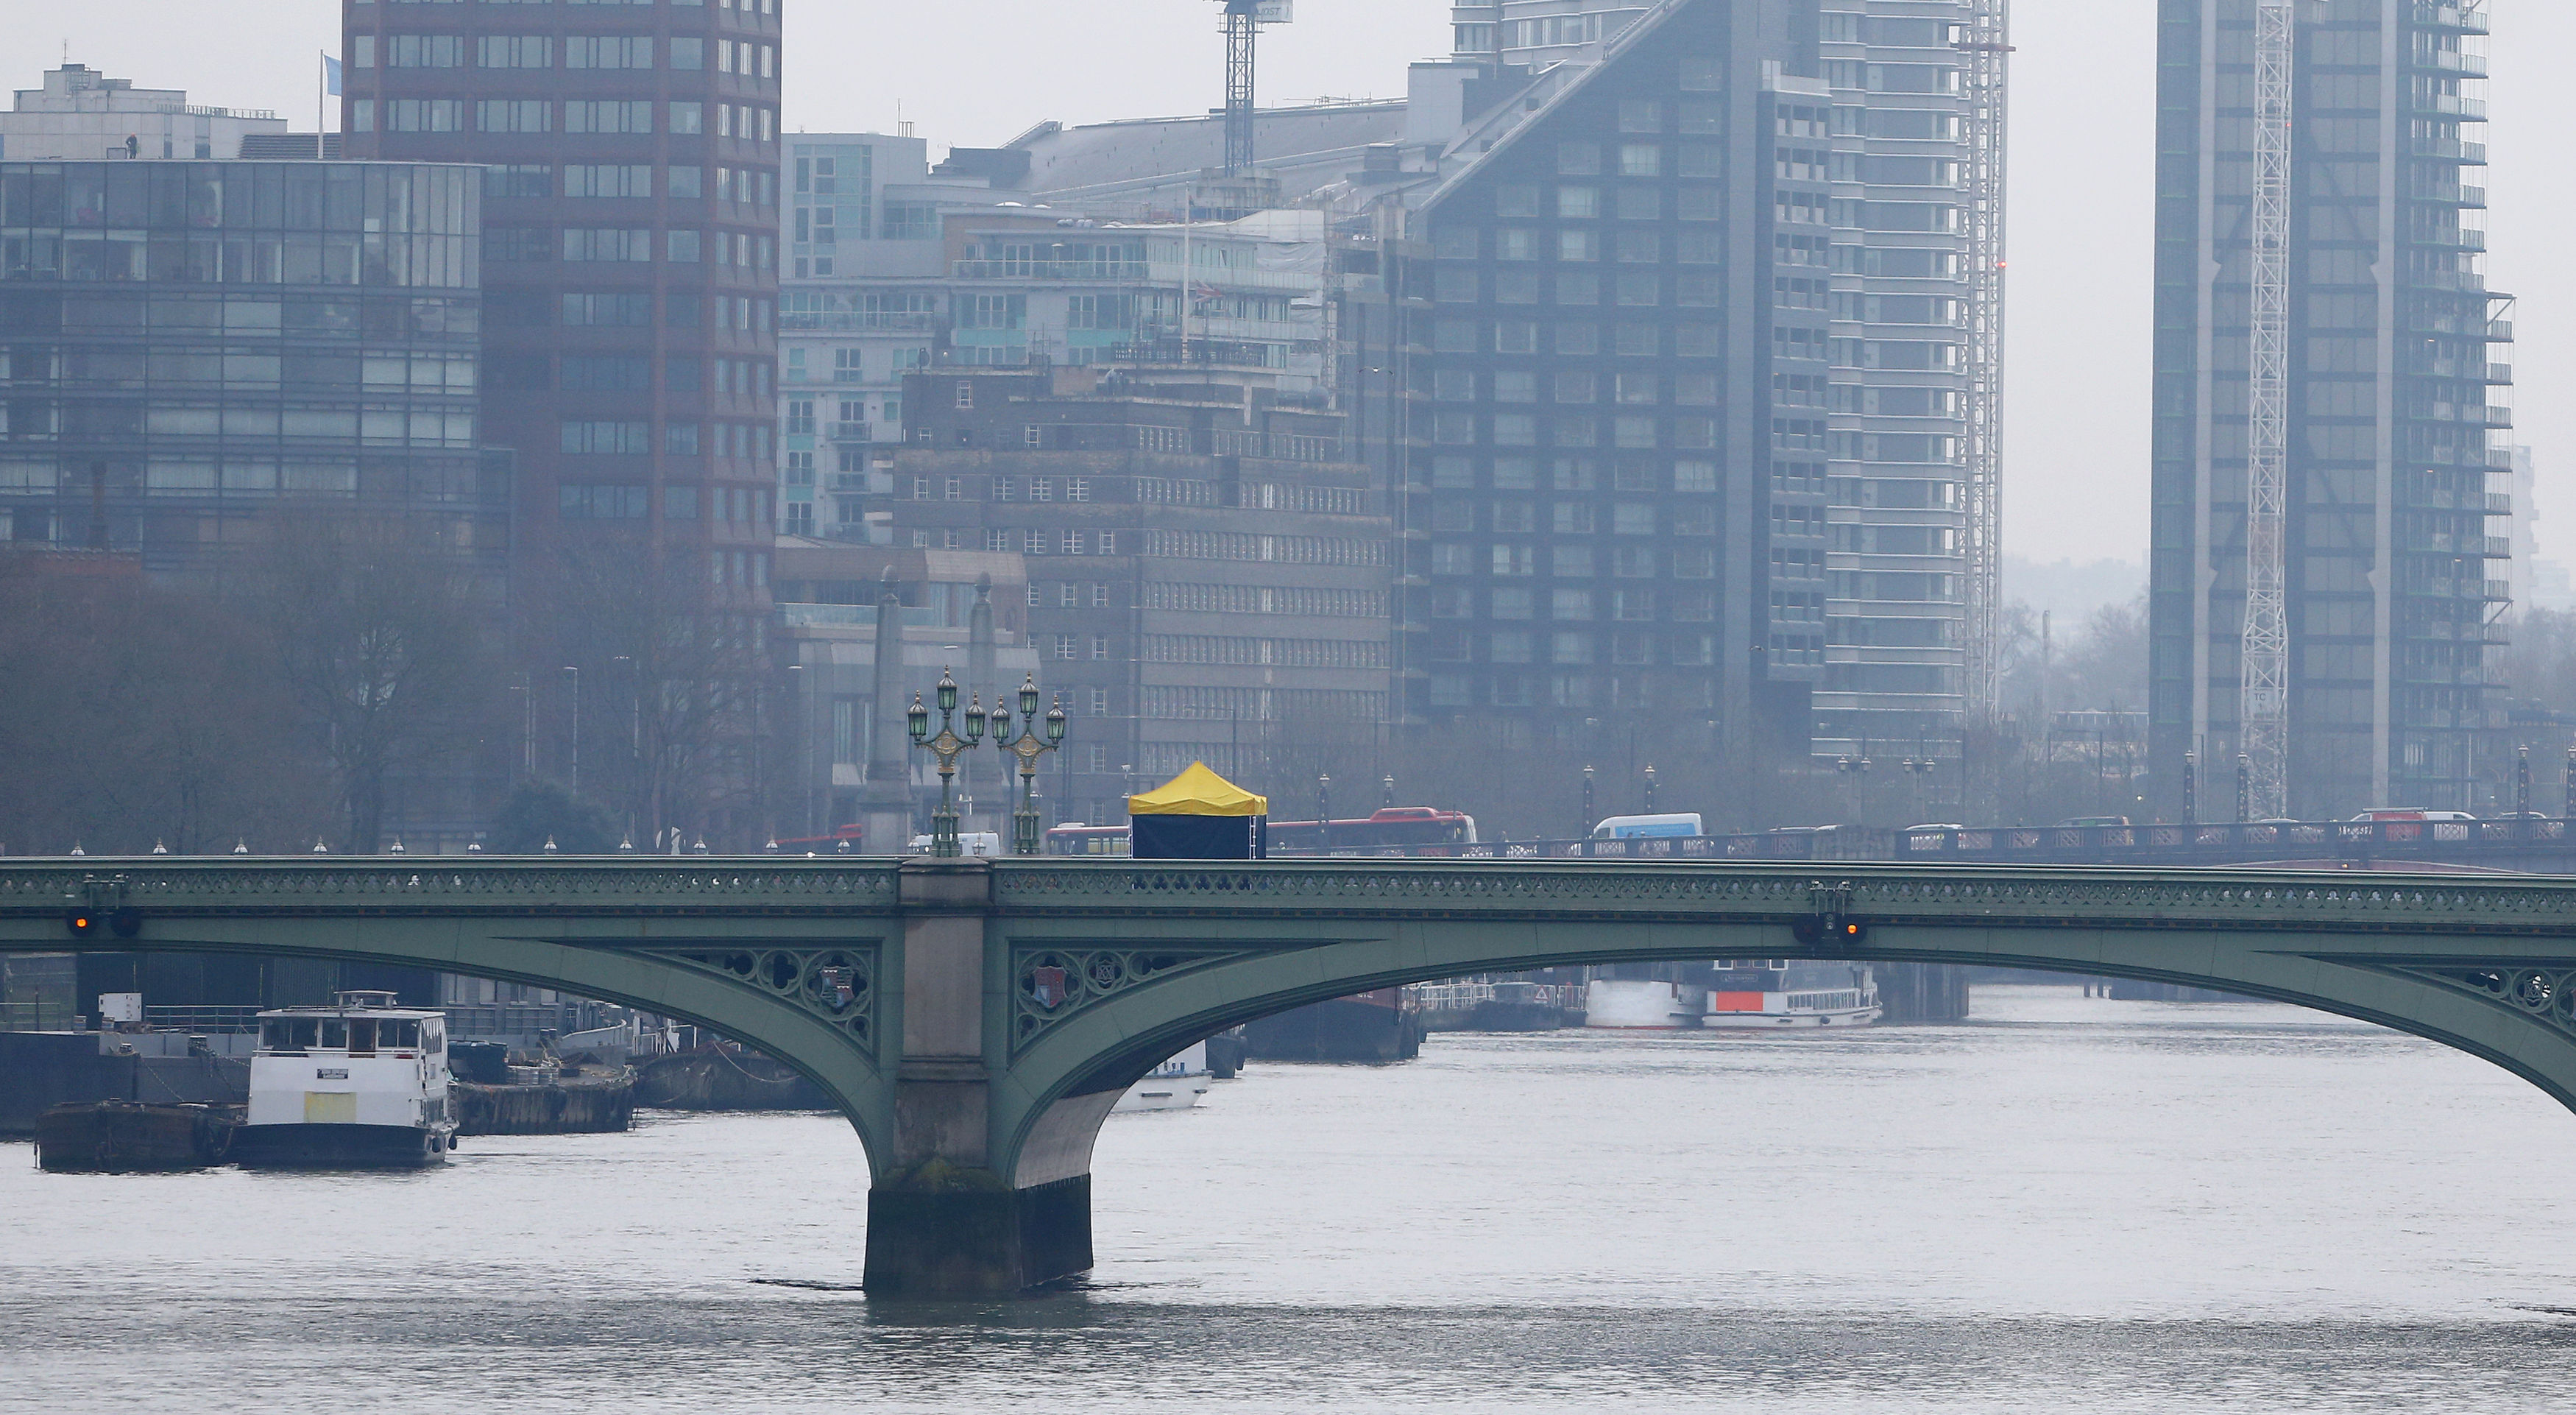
2070	1204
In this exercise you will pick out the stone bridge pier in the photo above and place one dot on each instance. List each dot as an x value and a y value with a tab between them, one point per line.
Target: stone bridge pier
961	1206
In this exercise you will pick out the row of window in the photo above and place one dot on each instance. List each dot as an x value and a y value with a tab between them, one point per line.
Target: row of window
1457	385
632	501
1243	545
379	424
1682	606
579	51
621	437
1070	594
629	244
1450	428
1579	339
1302	602
1245	705
1512	516
230	477
1050	542
1577	690
1687	477
1626	562
630	180
1241	650
1576	646
246	367
633	373
1586	244
1636	289
750	122
681	309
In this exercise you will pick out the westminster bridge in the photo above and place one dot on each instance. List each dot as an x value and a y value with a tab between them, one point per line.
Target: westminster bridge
976	1019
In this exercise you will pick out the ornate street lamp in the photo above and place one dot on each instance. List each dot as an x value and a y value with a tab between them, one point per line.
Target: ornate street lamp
947	746
1650	788
1028	749
2190	783
1583	828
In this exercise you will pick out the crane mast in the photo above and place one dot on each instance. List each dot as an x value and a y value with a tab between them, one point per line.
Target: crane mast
1243	22
1984	41
2264	671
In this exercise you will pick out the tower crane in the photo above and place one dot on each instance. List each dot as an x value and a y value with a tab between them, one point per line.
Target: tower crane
1243	22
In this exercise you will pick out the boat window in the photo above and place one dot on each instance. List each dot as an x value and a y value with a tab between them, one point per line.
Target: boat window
362	1035
435	1038
335	1034
406	1034
277	1034
307	1031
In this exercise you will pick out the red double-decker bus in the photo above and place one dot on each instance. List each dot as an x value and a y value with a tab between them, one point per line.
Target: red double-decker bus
1389	830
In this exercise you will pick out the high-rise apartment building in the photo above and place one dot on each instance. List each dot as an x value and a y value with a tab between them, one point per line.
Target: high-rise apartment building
630	254
1625	467
1896	626
2387	384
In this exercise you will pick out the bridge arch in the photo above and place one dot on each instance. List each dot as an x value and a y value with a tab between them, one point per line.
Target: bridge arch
2514	1007
801	990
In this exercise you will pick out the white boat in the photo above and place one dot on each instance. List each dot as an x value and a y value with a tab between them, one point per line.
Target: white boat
1177	1084
1642	1004
361	1083
1787	994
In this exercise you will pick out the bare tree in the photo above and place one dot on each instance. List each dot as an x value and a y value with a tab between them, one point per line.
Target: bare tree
382	632
677	704
132	717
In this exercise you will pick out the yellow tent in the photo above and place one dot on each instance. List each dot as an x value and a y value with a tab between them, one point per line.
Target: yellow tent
1198	792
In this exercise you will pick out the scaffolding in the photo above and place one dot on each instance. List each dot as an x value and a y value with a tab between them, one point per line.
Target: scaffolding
1985	45
2264	672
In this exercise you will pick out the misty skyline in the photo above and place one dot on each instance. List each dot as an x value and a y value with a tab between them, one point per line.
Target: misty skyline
2082	174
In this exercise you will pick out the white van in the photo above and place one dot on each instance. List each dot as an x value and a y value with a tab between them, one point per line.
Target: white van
1644	827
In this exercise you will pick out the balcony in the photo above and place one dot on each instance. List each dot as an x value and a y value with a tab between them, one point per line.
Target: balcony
851	432
2453	150
2449	105
2499	503
2453	17
2449	61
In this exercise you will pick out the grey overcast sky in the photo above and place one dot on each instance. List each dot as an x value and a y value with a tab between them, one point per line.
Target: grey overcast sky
979	71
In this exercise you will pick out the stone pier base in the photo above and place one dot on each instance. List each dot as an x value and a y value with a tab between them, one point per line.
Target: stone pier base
946	1232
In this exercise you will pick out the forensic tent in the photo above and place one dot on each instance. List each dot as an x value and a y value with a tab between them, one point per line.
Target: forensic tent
1197	815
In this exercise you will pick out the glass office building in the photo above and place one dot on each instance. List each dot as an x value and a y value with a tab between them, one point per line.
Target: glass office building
185	345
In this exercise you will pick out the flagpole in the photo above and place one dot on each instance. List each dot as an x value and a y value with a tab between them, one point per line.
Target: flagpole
321	97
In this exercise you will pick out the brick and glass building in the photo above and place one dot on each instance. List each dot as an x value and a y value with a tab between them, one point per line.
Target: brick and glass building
1207	566
185	347
629	211
2398	468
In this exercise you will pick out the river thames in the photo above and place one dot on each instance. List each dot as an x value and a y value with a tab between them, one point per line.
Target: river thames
2069	1204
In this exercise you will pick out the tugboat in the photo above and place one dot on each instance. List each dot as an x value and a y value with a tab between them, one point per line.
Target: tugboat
359	1084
